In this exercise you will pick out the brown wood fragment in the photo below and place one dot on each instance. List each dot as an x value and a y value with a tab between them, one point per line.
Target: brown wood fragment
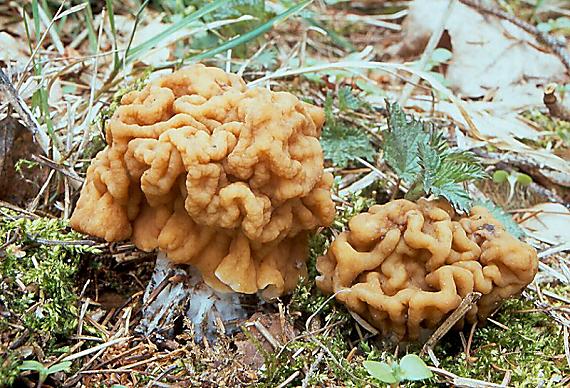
555	108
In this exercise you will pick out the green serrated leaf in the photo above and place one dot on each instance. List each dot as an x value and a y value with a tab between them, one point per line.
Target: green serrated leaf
342	143
347	100
431	162
455	194
414	368
401	143
380	371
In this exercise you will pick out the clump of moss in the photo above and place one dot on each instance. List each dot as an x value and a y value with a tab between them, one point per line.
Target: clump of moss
9	369
560	128
136	85
531	347
38	275
308	301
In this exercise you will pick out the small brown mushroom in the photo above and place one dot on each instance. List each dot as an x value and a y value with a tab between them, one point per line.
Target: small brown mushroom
405	266
225	178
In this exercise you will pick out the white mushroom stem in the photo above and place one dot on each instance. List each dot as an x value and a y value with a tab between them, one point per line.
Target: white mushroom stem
175	290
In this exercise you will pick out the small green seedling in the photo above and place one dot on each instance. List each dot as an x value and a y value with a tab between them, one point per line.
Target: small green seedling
502	176
411	368
43	371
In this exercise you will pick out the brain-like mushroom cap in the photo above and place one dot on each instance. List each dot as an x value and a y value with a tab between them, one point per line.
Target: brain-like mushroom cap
228	179
405	266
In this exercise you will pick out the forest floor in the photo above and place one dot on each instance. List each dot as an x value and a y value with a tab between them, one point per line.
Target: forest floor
70	304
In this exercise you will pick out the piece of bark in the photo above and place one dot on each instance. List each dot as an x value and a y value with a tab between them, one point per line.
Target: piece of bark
16	143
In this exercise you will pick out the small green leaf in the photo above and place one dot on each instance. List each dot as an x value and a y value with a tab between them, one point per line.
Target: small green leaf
423	159
500	176
60	367
414	368
32	365
455	194
380	371
523	179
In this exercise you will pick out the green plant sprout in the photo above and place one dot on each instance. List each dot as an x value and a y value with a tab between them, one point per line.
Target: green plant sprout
44	371
341	142
410	367
422	159
514	178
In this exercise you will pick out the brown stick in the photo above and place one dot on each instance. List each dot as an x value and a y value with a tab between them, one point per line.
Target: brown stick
555	108
551	42
466	305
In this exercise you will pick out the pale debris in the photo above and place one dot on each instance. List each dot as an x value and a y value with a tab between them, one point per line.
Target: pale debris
195	299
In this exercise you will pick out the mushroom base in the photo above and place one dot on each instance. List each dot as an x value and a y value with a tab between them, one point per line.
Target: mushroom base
180	290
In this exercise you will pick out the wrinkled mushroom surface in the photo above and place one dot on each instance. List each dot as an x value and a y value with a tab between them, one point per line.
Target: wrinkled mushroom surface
405	266
216	175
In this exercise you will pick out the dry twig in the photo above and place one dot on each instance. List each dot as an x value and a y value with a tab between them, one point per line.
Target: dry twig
466	305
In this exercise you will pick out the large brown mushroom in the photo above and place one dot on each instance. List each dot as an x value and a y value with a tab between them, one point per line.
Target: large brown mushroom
227	179
405	266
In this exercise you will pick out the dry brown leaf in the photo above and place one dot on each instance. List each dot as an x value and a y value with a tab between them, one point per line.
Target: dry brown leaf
488	53
550	224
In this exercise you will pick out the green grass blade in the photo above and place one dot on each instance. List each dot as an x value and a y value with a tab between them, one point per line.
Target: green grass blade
250	34
28	35
114	32
174	28
46	9
90	28
36	17
334	37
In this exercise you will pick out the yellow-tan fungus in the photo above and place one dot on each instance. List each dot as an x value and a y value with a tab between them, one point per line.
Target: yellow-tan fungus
405	266
214	174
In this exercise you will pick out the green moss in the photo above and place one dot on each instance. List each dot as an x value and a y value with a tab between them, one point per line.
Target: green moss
559	128
308	300
531	348
8	369
38	280
136	85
